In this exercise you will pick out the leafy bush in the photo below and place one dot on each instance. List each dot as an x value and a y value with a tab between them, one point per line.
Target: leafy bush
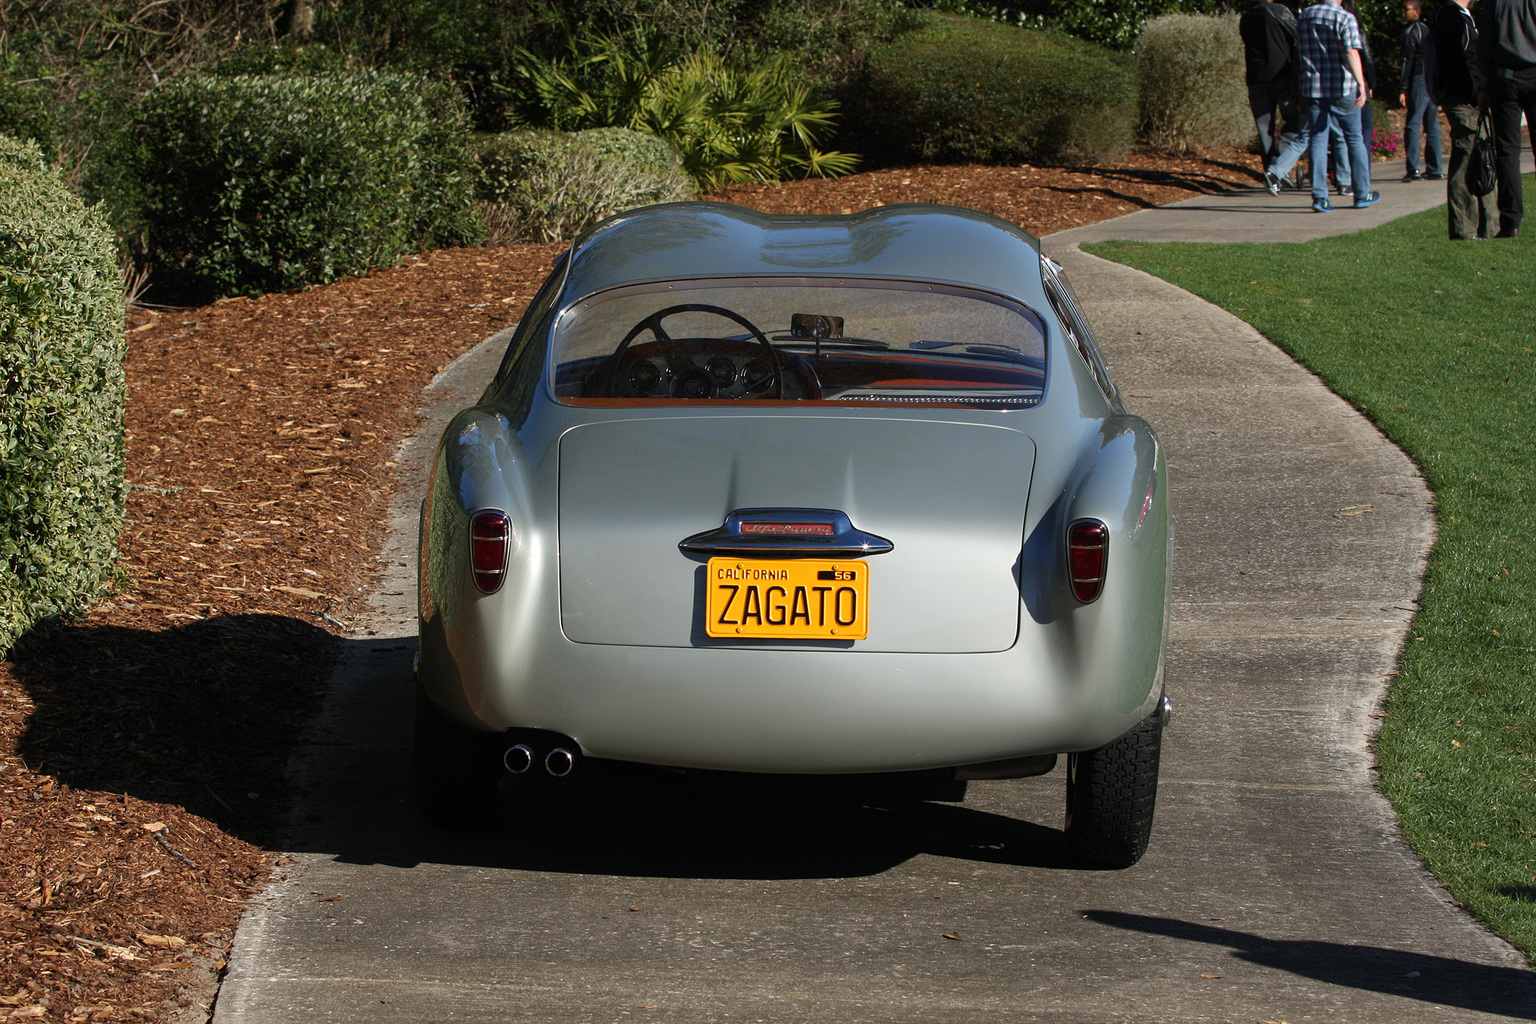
729	124
61	396
1113	23
1191	72
544	186
641	150
959	90
267	182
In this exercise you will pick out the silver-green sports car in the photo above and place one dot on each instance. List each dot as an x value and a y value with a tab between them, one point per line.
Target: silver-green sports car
825	496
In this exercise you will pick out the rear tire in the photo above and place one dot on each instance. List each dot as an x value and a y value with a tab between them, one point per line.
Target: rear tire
1111	794
457	771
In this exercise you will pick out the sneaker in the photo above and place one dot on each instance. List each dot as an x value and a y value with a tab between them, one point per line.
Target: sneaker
1369	200
1413	176
1435	176
1272	183
1345	193
1322	205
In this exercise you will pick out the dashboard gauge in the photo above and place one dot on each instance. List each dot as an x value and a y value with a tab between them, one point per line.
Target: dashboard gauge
644	376
758	373
722	371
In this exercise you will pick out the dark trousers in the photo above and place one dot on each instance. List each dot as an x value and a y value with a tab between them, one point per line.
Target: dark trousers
1264	98
1511	98
1468	213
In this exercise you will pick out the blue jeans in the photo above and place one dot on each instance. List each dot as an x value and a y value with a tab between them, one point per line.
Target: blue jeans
1320	113
1338	152
1422	118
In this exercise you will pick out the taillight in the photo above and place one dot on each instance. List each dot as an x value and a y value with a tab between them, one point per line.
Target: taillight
489	535
1087	552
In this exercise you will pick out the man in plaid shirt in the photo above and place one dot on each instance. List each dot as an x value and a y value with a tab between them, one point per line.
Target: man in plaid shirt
1331	85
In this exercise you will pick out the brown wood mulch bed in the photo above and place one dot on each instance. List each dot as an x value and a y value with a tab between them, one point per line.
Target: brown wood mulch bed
143	746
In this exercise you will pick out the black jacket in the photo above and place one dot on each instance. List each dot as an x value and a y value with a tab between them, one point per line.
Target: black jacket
1269	41
1413	52
1454	77
1508	35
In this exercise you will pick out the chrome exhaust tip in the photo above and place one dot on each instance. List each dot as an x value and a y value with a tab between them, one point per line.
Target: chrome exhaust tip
518	759
559	762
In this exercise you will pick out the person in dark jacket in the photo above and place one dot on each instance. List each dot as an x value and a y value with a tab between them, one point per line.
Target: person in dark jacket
1423	118
1457	83
1268	30
1506	56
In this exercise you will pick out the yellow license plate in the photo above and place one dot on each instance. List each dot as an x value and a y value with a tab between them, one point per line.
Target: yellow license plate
790	598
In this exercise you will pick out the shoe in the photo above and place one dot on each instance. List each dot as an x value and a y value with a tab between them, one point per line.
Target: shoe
1508	233
1412	176
1435	176
1346	193
1370	200
1289	182
1272	183
1322	205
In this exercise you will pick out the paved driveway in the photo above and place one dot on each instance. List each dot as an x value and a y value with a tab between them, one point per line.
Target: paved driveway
1276	887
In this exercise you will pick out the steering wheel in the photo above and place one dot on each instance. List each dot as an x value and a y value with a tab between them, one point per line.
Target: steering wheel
689	379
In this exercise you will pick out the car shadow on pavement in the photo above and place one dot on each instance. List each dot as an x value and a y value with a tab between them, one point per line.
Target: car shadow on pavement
752	830
1486	988
354	802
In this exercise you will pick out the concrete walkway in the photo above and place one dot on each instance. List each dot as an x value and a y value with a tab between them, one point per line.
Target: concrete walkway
1276	887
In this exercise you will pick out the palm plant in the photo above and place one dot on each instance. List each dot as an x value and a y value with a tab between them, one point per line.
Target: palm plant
728	124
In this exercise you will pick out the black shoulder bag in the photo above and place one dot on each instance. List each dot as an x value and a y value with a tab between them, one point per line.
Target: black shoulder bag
1482	168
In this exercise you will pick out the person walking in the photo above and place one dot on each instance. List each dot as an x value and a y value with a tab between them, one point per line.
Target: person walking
1455	85
1423	117
1331	86
1268	30
1506	57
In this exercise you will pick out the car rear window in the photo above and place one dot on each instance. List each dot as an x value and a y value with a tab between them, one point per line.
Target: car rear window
793	339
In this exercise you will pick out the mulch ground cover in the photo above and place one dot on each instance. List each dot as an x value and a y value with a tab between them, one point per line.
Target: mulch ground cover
143	746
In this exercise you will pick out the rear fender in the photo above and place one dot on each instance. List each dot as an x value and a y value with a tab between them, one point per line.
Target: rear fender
1119	638
479	465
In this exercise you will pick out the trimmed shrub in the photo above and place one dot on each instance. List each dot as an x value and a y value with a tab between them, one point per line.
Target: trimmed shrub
261	183
1193	96
964	90
640	150
544	186
61	396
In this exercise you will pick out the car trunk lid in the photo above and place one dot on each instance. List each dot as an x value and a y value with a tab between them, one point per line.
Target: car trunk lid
949	496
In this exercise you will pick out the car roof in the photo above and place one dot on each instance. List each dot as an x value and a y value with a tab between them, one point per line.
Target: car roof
909	241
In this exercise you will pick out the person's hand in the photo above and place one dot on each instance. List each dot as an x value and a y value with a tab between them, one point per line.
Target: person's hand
1402	99
1362	97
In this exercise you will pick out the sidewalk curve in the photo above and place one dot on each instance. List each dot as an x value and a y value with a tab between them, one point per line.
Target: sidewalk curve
1276	887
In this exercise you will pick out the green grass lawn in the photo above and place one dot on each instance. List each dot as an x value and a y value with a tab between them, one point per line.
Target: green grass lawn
1434	341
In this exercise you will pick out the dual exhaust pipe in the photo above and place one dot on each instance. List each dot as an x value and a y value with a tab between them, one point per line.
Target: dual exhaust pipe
558	762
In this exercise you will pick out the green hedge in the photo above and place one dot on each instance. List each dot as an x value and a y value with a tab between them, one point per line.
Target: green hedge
258	183
545	186
959	90
61	396
1193	95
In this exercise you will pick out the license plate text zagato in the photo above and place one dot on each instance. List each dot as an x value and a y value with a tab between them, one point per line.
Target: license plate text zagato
789	598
